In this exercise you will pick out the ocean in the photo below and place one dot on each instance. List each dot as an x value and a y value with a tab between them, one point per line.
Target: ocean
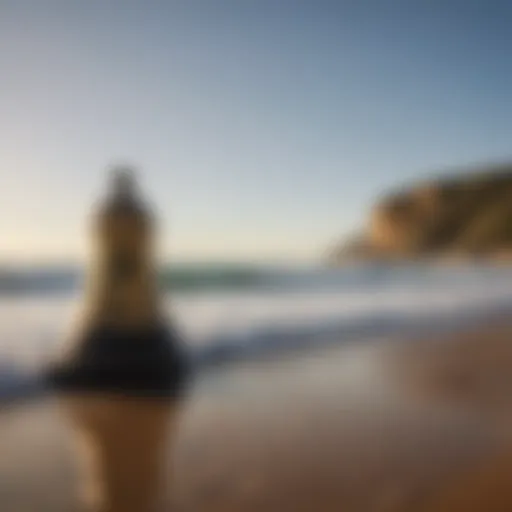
232	312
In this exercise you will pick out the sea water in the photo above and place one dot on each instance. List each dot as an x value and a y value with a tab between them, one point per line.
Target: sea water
232	312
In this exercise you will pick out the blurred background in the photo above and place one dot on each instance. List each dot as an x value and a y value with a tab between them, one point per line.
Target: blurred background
321	171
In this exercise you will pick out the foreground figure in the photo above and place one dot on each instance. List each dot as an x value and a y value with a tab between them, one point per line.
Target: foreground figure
121	374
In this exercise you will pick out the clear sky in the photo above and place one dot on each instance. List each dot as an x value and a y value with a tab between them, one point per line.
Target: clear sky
264	128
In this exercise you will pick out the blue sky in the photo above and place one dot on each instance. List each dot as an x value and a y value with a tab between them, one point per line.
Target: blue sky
264	129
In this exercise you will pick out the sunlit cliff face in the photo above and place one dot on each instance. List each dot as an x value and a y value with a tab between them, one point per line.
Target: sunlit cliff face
401	224
390	226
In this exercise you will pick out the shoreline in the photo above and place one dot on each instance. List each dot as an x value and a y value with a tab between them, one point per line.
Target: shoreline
313	431
277	343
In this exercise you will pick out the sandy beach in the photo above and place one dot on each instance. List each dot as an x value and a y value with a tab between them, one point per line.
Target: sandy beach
380	426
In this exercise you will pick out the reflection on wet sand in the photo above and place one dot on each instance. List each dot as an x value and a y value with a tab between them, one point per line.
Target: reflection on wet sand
121	446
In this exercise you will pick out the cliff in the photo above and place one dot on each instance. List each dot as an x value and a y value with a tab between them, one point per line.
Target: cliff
463	216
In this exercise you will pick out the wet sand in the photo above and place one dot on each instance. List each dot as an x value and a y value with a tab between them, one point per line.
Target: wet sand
381	426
